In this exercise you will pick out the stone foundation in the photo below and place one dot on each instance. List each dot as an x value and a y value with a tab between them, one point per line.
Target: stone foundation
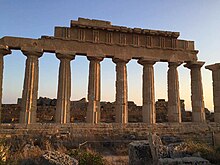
113	132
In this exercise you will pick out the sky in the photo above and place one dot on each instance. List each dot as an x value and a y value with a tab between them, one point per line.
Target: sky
196	20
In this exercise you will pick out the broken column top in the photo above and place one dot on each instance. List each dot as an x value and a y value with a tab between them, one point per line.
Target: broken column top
106	25
212	67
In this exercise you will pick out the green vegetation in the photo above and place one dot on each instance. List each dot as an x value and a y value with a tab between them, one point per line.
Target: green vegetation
3	151
208	152
14	153
87	157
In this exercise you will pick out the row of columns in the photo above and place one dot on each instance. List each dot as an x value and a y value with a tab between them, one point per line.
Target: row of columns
30	89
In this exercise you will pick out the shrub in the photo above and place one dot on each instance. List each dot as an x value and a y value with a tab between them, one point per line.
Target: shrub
87	157
3	152
206	151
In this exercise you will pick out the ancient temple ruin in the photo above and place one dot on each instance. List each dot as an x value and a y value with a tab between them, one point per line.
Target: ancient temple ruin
97	40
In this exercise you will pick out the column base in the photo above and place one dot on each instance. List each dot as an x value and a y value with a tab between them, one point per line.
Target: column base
198	117
62	117
217	117
93	112
173	116
148	115
121	113
27	117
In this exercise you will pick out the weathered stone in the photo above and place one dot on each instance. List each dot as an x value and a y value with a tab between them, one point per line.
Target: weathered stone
215	68
93	109
121	102
30	87
94	38
198	112
148	108
4	50
184	161
64	87
174	112
140	153
57	158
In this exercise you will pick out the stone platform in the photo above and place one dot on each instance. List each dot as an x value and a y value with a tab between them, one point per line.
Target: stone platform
103	132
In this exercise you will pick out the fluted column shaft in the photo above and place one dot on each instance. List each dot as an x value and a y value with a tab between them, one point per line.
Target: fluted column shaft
148	107
174	111
64	88
30	87
121	102
215	68
198	112
3	51
93	109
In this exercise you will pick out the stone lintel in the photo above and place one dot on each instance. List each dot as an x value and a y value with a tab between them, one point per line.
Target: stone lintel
213	67
29	51
4	50
53	44
194	64
65	55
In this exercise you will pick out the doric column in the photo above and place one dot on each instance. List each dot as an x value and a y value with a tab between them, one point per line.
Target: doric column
64	87
215	68
198	112
30	87
174	111
93	109
121	102
4	50
148	93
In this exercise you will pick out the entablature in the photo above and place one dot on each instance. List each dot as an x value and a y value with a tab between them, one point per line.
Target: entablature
97	31
97	38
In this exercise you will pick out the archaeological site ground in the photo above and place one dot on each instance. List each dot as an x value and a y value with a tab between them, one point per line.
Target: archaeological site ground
37	129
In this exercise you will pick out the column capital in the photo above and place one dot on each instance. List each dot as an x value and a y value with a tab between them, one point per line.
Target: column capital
194	64
174	64
95	58
146	61
65	55
118	60
213	67
4	50
29	51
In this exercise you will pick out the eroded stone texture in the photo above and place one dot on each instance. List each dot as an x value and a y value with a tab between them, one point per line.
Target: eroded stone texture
4	50
64	87
215	68
140	153
93	109
95	37
174	112
121	102
198	112
148	108
30	88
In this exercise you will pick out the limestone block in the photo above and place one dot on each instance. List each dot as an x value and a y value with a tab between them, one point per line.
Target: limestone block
140	153
55	157
217	116
217	139
185	160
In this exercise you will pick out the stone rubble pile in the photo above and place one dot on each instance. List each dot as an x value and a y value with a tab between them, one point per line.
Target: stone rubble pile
57	158
154	152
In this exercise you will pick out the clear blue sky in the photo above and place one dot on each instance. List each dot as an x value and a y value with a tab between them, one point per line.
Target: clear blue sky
196	20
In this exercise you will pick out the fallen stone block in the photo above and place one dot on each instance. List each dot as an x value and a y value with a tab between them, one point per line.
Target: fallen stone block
57	158
140	153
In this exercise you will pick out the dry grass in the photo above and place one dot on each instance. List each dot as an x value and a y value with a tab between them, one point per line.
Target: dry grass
116	160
